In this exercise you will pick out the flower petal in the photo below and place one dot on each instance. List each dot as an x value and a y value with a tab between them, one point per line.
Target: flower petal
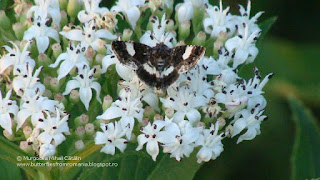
85	96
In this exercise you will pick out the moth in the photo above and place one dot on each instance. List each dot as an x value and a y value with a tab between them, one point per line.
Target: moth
158	66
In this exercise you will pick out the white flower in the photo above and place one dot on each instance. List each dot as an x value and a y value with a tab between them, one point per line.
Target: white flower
186	103
184	142
47	150
92	11
45	7
112	138
218	21
185	11
7	107
26	83
16	58
233	97
250	120
74	57
197	80
158	34
84	81
152	134
41	32
130	8
211	144
159	4
53	128
90	36
34	107
128	109
245	18
244	47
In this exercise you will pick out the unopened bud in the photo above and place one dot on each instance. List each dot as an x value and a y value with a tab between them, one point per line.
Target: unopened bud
54	85
47	80
5	22
82	120
157	117
149	112
64	18
98	59
200	39
60	98
63	4
229	129
56	49
184	30
101	44
27	131
79	145
90	54
43	60
89	129
127	33
73	8
80	132
170	25
18	30
169	112
47	93
222	122
74	96
8	135
97	72
25	146
107	101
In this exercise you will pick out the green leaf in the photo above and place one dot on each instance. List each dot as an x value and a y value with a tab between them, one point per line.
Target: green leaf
306	152
265	27
133	164
9	170
3	4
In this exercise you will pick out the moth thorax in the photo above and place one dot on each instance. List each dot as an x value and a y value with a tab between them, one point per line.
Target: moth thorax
161	64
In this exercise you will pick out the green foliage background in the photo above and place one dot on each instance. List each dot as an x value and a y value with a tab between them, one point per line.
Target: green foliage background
288	147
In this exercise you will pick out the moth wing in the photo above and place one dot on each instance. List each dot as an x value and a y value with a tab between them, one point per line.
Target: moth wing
130	53
185	57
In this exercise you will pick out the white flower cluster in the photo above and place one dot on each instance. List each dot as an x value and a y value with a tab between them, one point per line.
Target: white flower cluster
44	121
205	105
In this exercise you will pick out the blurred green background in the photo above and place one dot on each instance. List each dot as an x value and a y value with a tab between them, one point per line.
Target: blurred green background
292	51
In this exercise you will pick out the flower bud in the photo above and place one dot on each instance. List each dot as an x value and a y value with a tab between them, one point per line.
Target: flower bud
43	60
149	112
27	131
56	49
89	128
63	4
73	8
90	54
5	22
97	71
200	39
107	101
46	81
157	117
169	112
222	122
60	98
184	30
47	93
64	18
127	33
74	96
80	132
98	59
170	25
145	121
82	120
18	30
79	145
101	47
54	85
229	129
8	135
25	146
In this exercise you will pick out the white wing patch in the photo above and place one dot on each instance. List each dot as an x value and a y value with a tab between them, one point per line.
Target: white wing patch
149	69
130	49
167	71
187	53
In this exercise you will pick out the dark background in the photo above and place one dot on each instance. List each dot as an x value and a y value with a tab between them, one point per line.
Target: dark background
291	50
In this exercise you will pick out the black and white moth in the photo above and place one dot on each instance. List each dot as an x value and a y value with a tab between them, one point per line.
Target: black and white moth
158	66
